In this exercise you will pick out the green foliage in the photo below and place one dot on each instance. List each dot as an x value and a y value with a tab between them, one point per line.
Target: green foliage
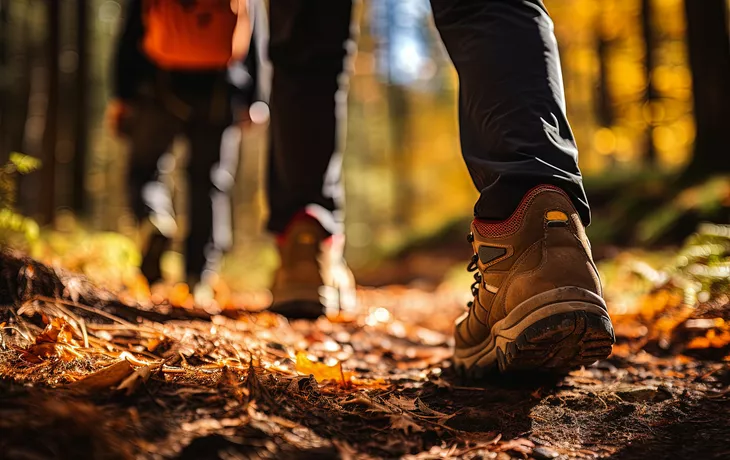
704	201
704	261
24	164
16	229
12	223
698	272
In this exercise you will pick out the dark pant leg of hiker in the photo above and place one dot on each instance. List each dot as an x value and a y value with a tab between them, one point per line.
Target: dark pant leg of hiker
514	130
150	130
308	45
211	170
209	187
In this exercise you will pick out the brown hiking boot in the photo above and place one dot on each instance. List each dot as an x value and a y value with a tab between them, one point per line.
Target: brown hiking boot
155	244
537	296
313	278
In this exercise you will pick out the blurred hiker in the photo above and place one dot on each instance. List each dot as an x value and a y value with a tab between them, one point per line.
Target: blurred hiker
180	70
537	296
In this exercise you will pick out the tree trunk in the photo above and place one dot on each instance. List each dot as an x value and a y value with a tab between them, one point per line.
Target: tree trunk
82	109
5	109
47	204
709	58
604	102
650	95
399	113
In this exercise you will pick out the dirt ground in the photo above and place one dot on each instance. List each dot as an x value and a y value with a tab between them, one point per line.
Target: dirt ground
87	374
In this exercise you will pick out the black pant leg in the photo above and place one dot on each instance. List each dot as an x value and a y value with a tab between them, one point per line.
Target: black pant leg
149	130
211	173
514	131
308	46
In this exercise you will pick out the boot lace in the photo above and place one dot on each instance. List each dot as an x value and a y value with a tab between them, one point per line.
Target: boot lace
473	267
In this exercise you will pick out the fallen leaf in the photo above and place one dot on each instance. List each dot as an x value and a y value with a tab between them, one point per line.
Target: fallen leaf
57	331
107	377
320	371
36	354
712	339
521	445
432	413
441	383
152	344
367	401
402	402
56	341
544	453
404	423
140	376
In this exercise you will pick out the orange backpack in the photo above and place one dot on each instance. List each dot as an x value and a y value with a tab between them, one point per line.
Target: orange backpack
188	34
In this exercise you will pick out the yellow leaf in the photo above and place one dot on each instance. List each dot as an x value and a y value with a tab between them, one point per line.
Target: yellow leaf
320	371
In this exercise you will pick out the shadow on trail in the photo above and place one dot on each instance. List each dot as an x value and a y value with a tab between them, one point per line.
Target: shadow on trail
697	426
702	430
497	404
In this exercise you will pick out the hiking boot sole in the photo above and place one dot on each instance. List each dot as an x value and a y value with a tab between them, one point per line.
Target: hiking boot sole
544	333
298	309
298	302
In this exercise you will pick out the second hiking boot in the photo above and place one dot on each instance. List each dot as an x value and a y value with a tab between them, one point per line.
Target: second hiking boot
313	278
537	296
156	245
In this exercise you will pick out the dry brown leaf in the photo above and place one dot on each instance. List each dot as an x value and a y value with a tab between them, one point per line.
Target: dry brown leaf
367	401
105	378
56	341
66	353
402	402
140	376
441	383
57	331
405	423
521	445
377	383
442	417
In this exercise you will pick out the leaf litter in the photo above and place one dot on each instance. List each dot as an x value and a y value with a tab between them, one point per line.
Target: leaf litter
105	377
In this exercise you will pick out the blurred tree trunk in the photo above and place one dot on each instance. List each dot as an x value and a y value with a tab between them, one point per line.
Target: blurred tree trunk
82	107
709	58
4	82
399	115
5	109
47	202
21	85
604	102
650	95
14	83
